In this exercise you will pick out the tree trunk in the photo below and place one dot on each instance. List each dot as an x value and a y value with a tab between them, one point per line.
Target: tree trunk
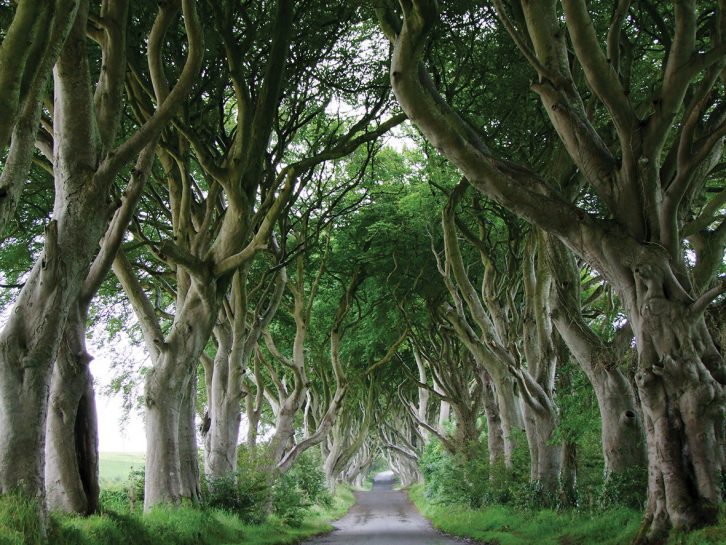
680	380
163	466
568	480
545	457
622	431
188	450
284	428
510	414
253	421
538	381
170	465
220	452
444	415
28	344
30	339
495	436
71	448
331	459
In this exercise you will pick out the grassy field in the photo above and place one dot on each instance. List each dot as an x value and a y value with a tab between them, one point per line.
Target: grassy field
181	526
498	525
114	467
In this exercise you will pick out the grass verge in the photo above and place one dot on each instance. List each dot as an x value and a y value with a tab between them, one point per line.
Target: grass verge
182	526
499	525
506	526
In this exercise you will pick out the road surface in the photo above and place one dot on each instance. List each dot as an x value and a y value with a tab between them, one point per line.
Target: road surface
383	516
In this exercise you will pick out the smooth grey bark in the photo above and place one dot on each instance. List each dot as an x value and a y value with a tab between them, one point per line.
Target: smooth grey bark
71	439
356	471
223	417
510	411
71	466
188	450
171	471
444	411
423	393
225	378
254	400
343	442
538	383
30	339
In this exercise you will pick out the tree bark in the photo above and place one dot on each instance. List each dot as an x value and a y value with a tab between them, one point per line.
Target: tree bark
495	435
71	439
30	339
170	466
28	52
680	392
188	450
220	440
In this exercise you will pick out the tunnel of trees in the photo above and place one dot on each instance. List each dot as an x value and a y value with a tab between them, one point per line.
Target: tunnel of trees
480	240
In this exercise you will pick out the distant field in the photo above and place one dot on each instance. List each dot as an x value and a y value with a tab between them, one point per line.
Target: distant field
116	466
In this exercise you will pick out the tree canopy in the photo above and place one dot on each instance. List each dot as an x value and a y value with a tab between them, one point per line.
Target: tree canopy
402	230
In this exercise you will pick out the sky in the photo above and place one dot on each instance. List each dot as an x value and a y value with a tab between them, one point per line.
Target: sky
117	430
115	435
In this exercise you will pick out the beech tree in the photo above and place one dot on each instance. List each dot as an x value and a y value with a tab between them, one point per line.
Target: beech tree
86	157
259	156
646	179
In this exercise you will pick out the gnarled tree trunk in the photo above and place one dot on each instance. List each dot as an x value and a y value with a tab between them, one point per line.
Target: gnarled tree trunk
622	431
680	380
168	397
71	439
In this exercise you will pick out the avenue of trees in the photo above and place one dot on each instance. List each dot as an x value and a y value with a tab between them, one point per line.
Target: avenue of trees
486	232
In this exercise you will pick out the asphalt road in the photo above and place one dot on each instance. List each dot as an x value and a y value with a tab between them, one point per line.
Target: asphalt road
383	516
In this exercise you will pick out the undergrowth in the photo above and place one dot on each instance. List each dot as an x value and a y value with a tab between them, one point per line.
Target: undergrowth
164	525
192	526
504	525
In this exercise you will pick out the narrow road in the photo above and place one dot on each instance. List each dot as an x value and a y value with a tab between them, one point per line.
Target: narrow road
383	516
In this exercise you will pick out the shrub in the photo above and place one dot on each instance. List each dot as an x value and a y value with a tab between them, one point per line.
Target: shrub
627	488
308	476
458	478
288	500
252	492
246	494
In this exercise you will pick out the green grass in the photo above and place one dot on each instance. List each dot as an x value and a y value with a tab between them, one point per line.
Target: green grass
114	467
167	526
19	521
506	526
499	525
713	535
